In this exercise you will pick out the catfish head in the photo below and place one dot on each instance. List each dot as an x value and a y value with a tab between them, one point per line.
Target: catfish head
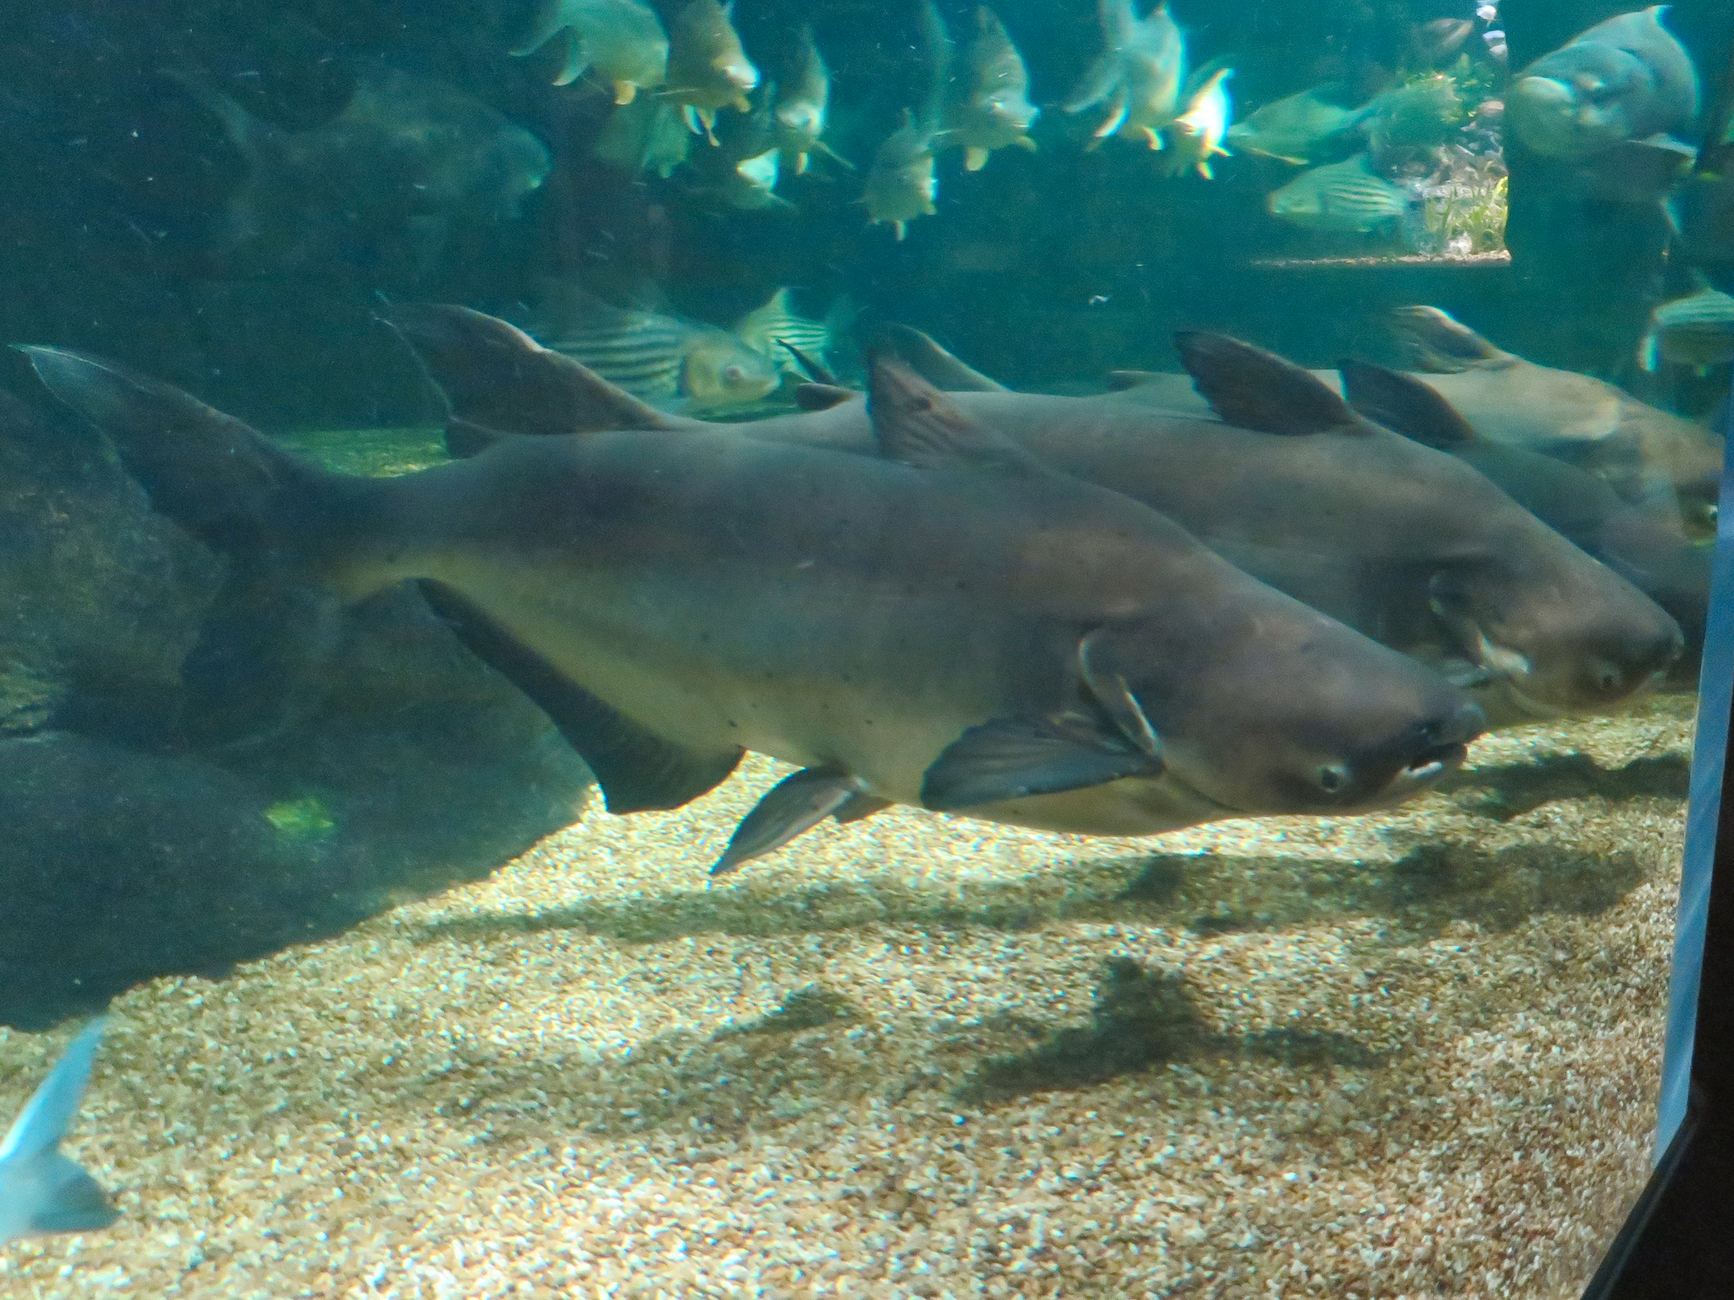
1260	705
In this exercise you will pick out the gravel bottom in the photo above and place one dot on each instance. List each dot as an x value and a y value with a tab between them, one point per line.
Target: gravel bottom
1408	1055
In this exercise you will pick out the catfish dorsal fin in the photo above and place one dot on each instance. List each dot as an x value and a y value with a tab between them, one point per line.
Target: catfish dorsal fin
918	425
497	378
1259	390
1405	404
933	363
1443	344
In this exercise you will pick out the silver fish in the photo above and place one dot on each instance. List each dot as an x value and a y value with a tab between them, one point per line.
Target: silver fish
991	109
707	67
1624	79
1197	134
802	108
1137	76
669	362
1299	128
902	184
1346	197
41	1191
622	40
1695	331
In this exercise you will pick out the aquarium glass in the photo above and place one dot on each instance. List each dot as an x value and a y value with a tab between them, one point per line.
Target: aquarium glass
888	649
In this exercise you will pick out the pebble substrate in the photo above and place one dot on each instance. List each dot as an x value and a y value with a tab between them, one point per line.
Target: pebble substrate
573	1079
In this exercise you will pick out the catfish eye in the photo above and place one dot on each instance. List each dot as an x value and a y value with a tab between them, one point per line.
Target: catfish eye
1332	777
1446	593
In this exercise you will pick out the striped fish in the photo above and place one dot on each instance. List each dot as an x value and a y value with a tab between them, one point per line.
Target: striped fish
1347	197
668	362
765	329
1696	331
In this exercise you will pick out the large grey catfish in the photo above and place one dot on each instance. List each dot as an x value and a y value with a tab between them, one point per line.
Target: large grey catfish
951	625
1513	402
1390	536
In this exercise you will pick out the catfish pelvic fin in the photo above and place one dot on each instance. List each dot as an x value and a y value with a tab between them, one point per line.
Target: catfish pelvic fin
1404	404
1010	758
498	379
1259	390
1443	345
934	364
638	770
789	808
918	425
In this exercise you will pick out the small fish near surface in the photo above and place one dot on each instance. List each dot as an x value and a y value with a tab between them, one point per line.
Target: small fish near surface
751	160
669	362
622	41
902	184
674	597
647	135
708	68
1695	331
1197	134
1301	128
803	107
1378	530
41	1191
1137	77
1626	79
1343	198
992	108
402	153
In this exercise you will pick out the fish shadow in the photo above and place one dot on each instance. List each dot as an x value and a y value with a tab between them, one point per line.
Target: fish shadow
1512	789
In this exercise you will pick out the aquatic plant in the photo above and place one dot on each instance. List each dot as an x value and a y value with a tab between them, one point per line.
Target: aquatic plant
1464	206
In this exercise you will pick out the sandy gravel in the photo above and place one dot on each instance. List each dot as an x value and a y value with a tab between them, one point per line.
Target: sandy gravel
1411	1055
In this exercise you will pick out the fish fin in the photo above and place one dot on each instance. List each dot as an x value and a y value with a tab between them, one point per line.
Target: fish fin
575	64
1113	122
933	363
548	22
789	808
67	1199
1649	354
498	380
638	770
833	155
1662	140
918	425
1405	404
1259	390
898	228
52	1107
816	370
975	158
249	134
860	806
1121	380
1444	345
625	92
1010	758
822	397
1114	693
1098	82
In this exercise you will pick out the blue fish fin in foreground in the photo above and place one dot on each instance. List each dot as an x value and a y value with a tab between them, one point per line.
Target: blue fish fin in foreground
40	1189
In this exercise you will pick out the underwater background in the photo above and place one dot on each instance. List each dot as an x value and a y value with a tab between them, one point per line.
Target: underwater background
399	1010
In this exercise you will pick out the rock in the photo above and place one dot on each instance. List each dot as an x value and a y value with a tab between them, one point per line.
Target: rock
200	767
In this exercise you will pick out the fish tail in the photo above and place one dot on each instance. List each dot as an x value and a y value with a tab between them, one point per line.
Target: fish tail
300	541
58	1195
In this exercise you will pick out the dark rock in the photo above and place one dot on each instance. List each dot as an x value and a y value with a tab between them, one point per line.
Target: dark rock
200	767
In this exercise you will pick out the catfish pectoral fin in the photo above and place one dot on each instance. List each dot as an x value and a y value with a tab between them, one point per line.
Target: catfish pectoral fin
1010	758
638	770
795	804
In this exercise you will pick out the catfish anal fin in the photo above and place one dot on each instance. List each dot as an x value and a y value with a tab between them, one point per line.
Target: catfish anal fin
792	806
861	806
638	770
1010	758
